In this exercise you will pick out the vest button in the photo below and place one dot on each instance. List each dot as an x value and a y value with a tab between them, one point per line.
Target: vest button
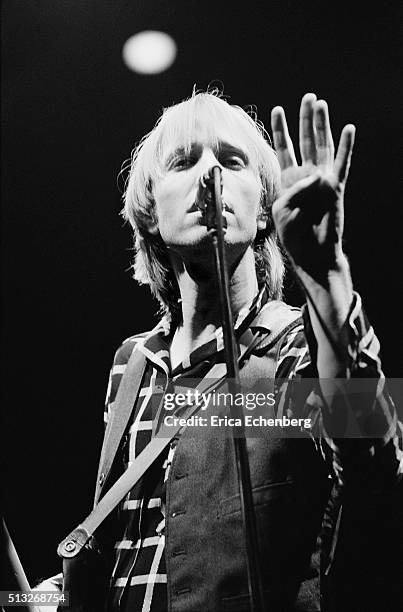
179	476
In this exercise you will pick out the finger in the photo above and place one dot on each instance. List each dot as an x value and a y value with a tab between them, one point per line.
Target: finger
323	135
281	138
344	152
306	129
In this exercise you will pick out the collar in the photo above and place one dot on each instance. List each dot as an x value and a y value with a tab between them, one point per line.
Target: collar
156	344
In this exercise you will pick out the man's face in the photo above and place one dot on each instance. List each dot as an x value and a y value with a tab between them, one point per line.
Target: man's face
175	193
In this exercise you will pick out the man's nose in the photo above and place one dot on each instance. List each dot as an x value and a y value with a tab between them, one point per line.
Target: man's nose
208	162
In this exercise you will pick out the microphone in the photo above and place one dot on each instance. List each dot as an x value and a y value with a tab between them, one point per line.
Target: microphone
205	190
206	199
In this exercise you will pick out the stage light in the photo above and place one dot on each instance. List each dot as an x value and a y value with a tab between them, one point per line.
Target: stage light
149	52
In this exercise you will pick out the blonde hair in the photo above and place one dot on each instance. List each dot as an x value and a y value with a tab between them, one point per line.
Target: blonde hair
202	112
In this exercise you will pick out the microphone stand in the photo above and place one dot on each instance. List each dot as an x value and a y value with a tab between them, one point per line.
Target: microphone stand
14	576
216	225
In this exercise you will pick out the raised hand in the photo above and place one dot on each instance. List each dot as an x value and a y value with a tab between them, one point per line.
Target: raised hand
309	214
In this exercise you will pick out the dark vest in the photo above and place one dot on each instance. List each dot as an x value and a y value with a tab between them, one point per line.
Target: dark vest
205	549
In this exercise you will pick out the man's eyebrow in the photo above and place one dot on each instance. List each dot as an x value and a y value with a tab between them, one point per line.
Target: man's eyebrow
227	147
180	150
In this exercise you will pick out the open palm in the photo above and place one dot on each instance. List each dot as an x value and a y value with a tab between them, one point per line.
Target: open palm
309	214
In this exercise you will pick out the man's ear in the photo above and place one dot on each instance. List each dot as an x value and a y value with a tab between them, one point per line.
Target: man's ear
262	221
150	219
151	224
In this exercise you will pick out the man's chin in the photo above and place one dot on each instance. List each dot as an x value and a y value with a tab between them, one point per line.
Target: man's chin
200	247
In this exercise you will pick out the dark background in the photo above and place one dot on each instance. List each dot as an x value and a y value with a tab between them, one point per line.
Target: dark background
72	112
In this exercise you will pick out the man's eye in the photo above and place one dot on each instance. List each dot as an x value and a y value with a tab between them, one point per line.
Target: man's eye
182	162
233	162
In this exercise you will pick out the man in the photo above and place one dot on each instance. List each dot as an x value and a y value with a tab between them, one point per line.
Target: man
178	544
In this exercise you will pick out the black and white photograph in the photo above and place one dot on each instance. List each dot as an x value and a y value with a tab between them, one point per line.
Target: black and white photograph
202	332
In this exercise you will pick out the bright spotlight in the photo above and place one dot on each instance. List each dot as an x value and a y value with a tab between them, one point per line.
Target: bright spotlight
149	52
